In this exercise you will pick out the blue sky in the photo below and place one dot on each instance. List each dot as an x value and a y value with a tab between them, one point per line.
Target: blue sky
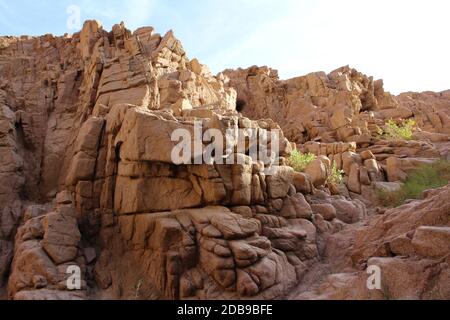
405	42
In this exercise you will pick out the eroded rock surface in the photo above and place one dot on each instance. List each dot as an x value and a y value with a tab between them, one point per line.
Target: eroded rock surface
88	179
410	246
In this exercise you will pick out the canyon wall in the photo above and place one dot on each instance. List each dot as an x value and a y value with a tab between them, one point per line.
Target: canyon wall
88	178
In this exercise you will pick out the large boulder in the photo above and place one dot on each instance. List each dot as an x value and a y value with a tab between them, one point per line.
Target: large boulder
354	183
432	242
398	169
296	207
154	195
326	210
349	211
302	183
61	235
279	182
146	136
317	170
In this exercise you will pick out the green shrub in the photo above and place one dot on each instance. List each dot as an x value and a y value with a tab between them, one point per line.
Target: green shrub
391	199
393	130
336	176
299	161
425	177
428	176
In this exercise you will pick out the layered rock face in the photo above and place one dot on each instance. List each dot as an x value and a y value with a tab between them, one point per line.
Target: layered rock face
343	106
339	116
409	245
89	182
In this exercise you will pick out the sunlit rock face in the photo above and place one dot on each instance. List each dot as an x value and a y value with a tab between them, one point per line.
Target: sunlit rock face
344	105
90	189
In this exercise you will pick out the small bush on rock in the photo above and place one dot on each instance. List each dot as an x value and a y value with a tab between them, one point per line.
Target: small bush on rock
425	177
299	161
393	130
336	175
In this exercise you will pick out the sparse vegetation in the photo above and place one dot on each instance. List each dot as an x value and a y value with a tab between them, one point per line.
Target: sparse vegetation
425	177
336	176
299	161
393	130
391	199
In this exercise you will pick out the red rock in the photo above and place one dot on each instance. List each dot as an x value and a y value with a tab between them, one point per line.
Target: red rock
86	160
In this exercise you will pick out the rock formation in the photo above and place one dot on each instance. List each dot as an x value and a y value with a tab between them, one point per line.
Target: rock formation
88	181
339	115
410	245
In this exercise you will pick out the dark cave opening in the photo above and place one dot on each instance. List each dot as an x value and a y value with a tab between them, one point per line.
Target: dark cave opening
240	105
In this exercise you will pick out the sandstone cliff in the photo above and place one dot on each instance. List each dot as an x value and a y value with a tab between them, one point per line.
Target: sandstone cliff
87	178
